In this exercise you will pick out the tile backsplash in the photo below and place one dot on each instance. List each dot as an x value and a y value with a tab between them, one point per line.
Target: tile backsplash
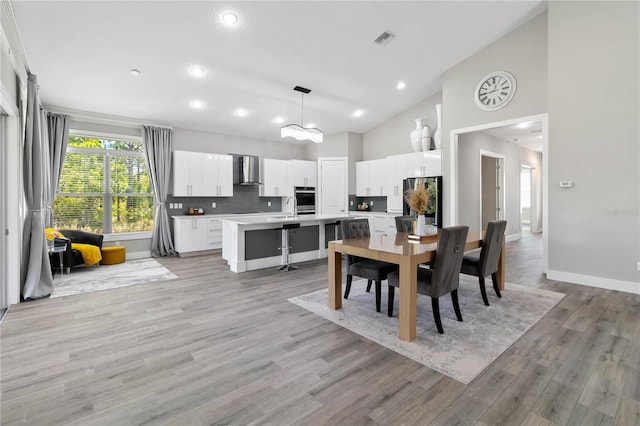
245	200
376	204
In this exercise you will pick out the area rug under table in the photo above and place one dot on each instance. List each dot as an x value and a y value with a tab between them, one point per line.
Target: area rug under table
104	277
466	348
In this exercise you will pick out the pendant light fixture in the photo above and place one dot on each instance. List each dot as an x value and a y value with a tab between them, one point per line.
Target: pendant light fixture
300	132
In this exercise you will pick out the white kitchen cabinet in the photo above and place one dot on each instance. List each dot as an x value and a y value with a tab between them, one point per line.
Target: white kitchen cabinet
396	172
221	175
370	178
201	174
275	178
379	222
427	163
303	173
190	234
362	178
194	234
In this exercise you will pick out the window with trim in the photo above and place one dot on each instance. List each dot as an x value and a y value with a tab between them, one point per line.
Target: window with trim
104	187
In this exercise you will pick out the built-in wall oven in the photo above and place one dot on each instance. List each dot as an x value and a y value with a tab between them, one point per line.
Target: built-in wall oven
305	199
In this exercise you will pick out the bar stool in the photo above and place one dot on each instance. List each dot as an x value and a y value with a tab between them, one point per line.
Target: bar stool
285	246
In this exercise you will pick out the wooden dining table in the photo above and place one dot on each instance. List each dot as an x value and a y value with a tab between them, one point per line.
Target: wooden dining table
407	254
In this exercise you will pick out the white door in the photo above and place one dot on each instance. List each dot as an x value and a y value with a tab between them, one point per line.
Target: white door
333	186
491	187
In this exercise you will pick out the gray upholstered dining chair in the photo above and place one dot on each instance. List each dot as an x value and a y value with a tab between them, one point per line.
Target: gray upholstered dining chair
487	263
445	275
404	223
372	270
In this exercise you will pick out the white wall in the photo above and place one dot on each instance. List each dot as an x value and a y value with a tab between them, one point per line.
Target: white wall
469	147
523	53
13	83
392	136
195	140
594	138
347	144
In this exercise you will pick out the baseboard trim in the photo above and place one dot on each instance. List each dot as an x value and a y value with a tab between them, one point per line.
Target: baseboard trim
513	237
138	255
592	281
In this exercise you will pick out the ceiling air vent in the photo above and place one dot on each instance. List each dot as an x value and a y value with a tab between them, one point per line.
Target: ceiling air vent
384	38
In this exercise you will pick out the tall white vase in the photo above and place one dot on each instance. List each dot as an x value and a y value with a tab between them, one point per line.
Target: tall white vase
426	138
416	136
421	226
437	136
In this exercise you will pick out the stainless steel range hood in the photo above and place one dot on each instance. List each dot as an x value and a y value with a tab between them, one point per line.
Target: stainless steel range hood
249	170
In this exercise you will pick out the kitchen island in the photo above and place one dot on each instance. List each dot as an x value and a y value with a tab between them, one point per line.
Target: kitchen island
255	242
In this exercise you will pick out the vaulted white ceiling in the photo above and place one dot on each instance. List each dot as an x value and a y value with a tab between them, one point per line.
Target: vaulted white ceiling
82	53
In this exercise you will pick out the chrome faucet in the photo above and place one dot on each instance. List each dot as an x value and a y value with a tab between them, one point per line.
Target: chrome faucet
295	205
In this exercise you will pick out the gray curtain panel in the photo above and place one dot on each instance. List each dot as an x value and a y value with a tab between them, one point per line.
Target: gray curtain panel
36	278
157	149
58	137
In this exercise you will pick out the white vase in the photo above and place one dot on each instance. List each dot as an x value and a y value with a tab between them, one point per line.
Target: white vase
426	138
421	226
416	136
437	136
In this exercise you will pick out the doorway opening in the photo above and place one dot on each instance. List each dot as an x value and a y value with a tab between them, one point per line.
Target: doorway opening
518	131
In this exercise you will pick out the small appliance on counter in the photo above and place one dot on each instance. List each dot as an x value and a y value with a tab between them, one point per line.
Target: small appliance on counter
364	206
195	211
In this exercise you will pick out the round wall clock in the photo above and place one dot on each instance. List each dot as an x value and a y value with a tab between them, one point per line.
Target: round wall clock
495	90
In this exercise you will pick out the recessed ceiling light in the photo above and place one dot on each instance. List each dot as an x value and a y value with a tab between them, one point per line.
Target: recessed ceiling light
229	18
358	113
278	120
401	85
197	104
311	125
197	71
241	112
539	136
134	71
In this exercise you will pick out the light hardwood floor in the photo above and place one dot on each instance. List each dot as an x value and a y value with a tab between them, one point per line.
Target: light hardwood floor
214	347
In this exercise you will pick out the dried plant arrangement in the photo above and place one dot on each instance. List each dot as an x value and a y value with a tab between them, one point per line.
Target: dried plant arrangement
418	198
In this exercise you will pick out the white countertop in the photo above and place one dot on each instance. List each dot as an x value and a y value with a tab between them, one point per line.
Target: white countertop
226	215
281	218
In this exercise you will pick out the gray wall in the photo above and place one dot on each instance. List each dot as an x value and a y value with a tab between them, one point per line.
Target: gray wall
523	52
470	145
121	130
593	139
347	144
392	136
195	140
13	79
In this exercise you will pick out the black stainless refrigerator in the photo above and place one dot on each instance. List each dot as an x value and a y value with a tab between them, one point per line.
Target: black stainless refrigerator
434	206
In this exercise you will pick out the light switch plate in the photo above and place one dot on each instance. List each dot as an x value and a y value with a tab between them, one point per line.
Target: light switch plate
566	184
213	205
268	203
638	266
